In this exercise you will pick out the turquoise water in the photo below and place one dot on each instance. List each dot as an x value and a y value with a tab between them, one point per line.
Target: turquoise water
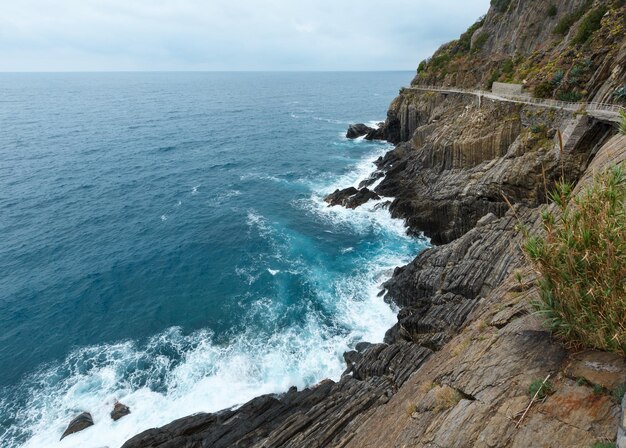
165	243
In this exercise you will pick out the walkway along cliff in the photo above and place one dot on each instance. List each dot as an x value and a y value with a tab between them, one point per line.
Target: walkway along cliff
456	368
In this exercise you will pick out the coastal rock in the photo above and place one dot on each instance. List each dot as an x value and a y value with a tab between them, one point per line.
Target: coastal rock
360	198
79	423
324	415
338	197
371	179
119	410
358	130
350	197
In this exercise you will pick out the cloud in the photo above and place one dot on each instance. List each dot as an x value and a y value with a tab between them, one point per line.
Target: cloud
69	35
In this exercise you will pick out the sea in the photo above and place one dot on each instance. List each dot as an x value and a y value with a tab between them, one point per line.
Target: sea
164	242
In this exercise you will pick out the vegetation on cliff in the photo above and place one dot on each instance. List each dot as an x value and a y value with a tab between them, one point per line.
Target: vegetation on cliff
581	261
559	54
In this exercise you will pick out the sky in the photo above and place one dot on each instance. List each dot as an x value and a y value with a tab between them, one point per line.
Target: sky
147	35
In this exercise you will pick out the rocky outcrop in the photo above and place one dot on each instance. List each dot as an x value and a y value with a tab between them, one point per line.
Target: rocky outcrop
324	415
358	130
119	410
351	197
77	424
460	160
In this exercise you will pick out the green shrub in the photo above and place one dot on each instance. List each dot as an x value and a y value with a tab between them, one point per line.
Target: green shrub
541	389
495	75
544	90
571	95
558	77
622	123
538	129
589	25
552	10
603	445
507	66
567	21
465	41
480	41
619	392
581	262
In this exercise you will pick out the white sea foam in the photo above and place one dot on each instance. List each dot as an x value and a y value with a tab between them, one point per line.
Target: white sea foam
173	374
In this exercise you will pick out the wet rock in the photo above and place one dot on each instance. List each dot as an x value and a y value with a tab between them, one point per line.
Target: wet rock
79	423
360	198
350	197
371	179
338	197
358	130
377	134
119	410
324	415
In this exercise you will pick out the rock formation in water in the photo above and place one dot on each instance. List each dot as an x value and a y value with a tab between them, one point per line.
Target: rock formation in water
456	368
358	130
78	423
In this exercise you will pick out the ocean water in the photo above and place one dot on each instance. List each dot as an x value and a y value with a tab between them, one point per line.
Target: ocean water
164	242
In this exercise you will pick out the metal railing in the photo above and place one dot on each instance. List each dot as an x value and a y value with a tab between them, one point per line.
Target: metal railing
555	104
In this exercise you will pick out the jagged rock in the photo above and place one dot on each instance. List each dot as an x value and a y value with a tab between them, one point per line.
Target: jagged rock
371	179
350	197
119	410
324	415
338	197
79	423
358	130
360	198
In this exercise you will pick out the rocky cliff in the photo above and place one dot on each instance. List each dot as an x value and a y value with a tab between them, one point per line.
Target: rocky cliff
456	368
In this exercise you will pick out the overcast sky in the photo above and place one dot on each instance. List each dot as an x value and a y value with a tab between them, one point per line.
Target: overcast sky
95	35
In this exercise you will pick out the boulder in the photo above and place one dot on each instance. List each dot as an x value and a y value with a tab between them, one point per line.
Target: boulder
119	410
358	130
338	197
79	423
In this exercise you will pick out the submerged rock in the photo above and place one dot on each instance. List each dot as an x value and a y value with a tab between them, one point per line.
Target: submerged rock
79	423
119	410
358	130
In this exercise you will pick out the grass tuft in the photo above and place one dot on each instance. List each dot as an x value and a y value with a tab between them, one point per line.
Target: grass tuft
622	123
540	388
581	262
446	397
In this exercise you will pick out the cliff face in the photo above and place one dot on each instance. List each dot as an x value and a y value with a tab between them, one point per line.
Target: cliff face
569	50
455	370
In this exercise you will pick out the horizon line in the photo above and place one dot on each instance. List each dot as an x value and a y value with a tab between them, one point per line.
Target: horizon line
199	71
